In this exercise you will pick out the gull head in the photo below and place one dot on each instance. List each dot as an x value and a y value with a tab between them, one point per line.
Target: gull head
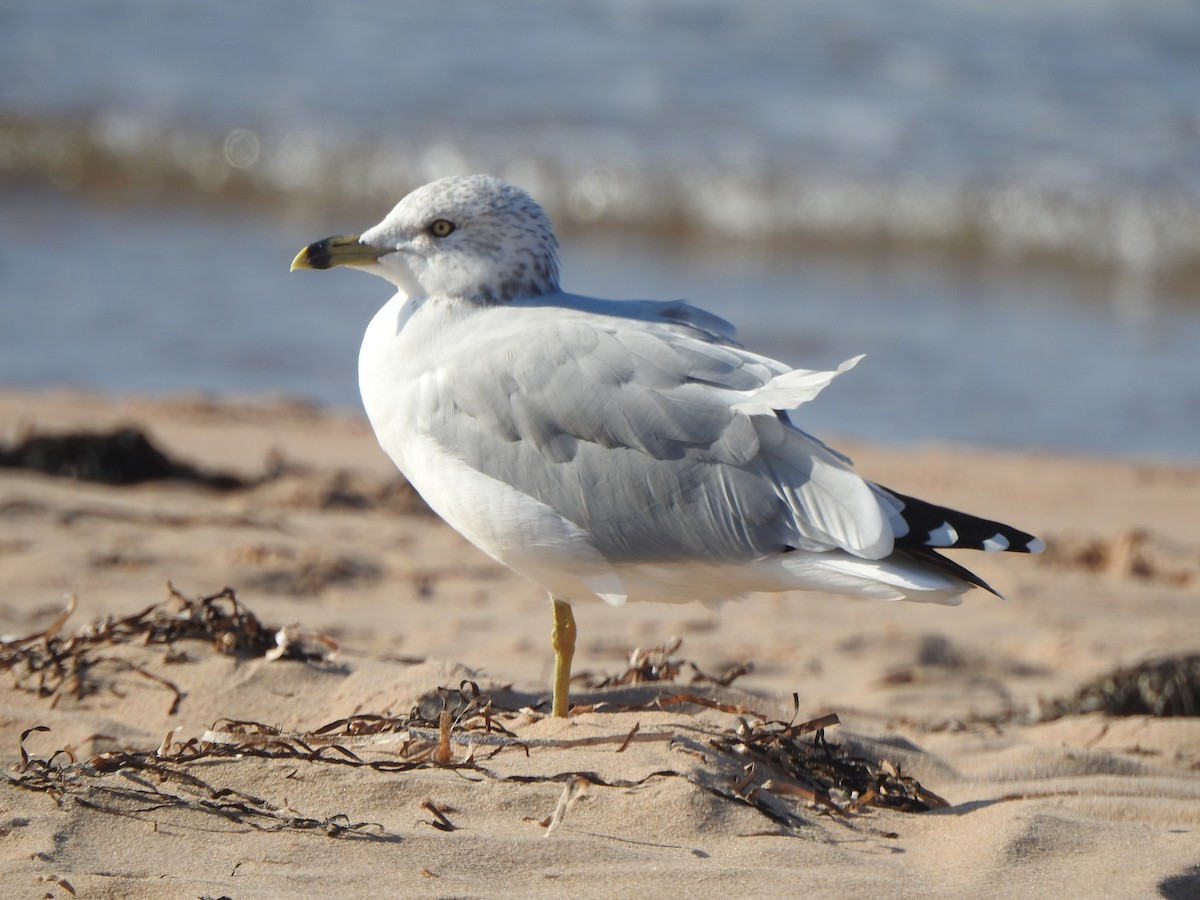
474	238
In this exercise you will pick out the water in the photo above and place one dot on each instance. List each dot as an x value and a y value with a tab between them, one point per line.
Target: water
999	203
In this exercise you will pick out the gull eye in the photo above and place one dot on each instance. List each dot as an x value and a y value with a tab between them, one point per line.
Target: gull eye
440	228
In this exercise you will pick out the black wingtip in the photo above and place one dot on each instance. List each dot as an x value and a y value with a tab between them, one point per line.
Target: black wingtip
930	525
935	560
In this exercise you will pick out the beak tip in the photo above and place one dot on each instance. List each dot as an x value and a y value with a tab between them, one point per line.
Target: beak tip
344	250
301	261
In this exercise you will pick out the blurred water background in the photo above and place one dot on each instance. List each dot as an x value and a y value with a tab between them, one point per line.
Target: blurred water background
998	202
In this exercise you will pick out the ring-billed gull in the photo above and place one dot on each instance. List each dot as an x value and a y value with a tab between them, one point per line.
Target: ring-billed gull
621	450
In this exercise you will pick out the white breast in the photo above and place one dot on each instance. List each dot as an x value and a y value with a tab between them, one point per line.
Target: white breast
402	385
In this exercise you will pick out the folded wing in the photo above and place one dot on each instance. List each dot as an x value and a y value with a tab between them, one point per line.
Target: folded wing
595	414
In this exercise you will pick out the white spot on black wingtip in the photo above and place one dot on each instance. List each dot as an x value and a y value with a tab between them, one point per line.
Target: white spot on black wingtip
1035	545
995	543
944	535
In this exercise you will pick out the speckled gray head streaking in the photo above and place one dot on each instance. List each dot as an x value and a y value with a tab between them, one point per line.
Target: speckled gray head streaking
473	238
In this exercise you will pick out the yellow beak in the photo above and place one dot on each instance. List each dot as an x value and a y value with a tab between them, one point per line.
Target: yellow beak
343	250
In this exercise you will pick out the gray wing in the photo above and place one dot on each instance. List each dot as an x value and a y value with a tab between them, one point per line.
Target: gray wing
669	315
628	428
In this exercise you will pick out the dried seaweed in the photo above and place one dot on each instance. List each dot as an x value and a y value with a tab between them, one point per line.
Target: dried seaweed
779	768
781	762
659	664
139	784
439	811
1164	687
796	761
121	456
466	719
53	665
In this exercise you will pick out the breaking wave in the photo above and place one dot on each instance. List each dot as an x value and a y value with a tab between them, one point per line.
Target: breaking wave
1125	231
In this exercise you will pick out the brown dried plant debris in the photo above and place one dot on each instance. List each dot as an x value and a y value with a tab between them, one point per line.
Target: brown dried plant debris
779	768
783	761
782	769
121	456
125	456
54	664
659	664
151	784
1163	687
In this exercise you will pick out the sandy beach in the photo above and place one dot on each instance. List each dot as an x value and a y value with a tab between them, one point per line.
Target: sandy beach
138	789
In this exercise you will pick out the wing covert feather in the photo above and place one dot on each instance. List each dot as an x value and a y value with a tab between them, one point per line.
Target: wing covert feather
594	419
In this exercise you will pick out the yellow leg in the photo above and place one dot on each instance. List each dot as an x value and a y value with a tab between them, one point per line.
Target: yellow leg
563	639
